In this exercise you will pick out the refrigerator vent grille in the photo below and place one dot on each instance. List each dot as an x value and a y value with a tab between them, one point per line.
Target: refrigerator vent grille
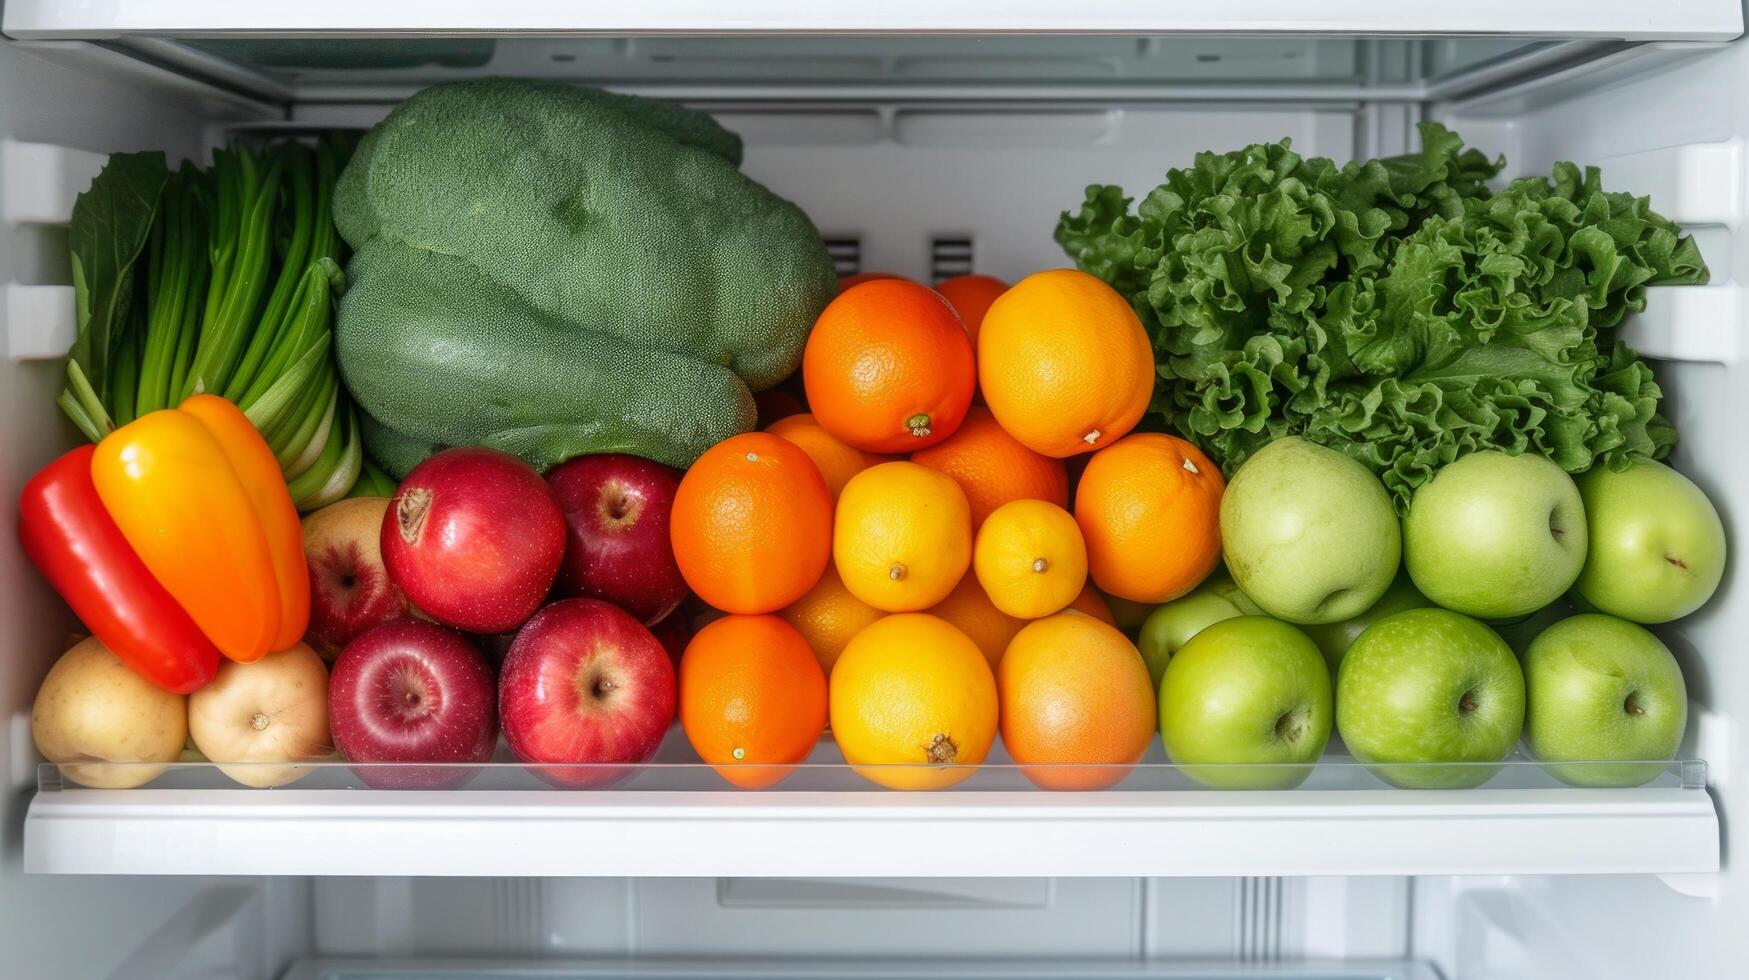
517	913
1257	921
950	256
846	255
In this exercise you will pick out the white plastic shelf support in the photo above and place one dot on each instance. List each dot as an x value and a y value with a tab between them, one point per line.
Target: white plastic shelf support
1709	20
1667	830
1689	323
41	180
38	184
38	320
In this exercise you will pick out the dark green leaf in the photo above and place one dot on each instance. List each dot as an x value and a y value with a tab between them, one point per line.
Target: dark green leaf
111	224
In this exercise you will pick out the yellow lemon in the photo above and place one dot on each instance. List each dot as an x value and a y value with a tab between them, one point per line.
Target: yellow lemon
902	537
1030	558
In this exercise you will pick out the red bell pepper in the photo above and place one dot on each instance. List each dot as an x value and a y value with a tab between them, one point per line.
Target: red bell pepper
70	536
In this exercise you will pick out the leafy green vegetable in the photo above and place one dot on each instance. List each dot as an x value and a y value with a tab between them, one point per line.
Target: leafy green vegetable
112	223
178	270
237	298
553	270
1396	310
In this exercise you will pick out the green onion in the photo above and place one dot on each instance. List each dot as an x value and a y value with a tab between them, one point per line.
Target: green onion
238	268
251	194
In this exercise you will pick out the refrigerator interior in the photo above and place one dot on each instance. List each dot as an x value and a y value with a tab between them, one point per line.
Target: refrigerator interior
922	156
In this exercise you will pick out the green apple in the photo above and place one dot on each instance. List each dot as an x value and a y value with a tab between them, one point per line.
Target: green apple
1246	705
1598	688
1335	638
1657	546
1430	686
1309	534
1495	536
1170	626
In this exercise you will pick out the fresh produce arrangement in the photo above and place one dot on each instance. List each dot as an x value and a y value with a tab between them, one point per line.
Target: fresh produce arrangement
957	524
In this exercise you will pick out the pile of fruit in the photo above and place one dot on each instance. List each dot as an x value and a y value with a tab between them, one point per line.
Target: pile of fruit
1507	603
925	560
1440	455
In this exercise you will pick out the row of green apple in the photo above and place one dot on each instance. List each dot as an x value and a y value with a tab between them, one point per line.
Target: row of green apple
1407	617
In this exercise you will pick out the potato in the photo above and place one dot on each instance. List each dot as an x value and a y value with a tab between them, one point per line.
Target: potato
272	710
92	707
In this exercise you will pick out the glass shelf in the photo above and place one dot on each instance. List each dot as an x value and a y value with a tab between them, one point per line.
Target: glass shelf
676	817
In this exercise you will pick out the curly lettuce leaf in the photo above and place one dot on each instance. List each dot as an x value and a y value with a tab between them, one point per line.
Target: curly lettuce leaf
1395	310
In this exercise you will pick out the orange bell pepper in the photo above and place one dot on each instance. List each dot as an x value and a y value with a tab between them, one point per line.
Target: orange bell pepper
259	471
197	494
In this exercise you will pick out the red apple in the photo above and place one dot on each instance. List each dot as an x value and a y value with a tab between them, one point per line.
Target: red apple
350	589
413	691
616	514
585	686
474	538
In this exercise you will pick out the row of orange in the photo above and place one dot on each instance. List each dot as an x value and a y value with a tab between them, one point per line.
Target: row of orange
820	521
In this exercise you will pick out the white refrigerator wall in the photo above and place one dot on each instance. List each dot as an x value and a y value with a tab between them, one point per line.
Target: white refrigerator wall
62	926
897	179
1672	126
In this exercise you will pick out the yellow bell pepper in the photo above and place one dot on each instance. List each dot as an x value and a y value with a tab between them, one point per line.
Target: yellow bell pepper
198	495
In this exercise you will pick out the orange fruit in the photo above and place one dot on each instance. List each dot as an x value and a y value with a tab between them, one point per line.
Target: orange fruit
837	462
888	367
1150	509
969	609
970	297
828	616
1030	558
752	698
909	691
858	278
1064	363
1076	700
903	536
992	467
1094	604
752	524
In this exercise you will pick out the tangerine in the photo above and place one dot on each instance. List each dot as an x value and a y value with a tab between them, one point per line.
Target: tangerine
1077	706
829	616
752	698
752	524
1149	507
903	536
1064	363
971	296
913	703
837	462
888	367
1030	558
992	467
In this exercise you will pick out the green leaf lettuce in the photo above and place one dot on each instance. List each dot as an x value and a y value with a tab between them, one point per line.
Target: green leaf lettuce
1396	310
